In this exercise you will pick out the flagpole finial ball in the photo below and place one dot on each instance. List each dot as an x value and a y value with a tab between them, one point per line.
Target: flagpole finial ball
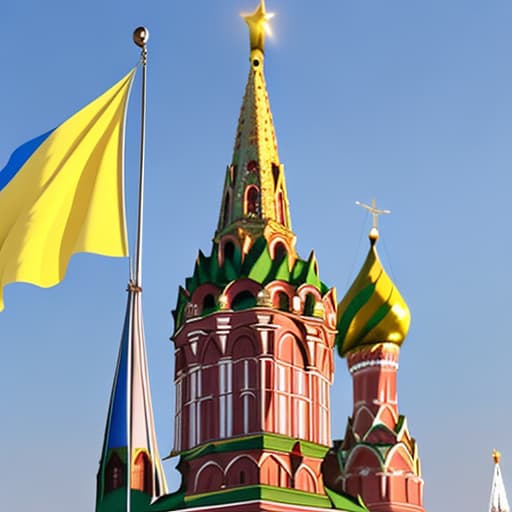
140	36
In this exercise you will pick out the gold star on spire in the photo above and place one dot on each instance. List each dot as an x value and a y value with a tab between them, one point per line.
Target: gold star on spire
496	455
258	25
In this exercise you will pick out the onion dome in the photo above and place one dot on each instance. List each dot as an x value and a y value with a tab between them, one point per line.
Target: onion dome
373	311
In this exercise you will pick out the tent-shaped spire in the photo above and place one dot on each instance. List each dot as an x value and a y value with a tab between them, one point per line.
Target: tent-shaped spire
498	502
255	201
130	424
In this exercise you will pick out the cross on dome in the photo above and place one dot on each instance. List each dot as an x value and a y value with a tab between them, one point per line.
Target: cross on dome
374	232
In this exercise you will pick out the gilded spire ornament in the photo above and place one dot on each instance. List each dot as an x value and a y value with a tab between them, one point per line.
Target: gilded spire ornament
258	26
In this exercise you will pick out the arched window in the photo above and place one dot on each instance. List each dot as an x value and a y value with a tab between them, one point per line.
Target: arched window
279	251
244	300
309	305
252	196
226	211
141	473
115	473
229	250
282	301
208	304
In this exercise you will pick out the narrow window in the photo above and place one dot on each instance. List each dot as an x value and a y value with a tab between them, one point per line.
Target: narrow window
226	212
309	305
283	301
251	199
275	173
280	208
279	251
208	304
229	251
244	300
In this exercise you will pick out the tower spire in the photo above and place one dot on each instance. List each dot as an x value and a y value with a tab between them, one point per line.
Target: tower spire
498	501
254	200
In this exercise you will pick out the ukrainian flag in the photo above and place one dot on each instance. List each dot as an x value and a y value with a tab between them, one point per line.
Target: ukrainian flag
62	193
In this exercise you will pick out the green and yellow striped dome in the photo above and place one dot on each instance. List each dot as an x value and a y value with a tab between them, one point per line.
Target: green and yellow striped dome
373	311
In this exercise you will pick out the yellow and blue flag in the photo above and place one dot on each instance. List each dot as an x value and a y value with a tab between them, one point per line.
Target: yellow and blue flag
63	193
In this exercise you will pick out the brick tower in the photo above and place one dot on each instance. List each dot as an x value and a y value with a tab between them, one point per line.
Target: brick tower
254	336
378	459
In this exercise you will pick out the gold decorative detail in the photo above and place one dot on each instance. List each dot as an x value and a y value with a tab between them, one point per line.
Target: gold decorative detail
222	301
319	310
264	299
496	455
141	36
258	25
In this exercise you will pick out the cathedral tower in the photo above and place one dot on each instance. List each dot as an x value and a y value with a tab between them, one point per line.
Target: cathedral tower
377	459
254	335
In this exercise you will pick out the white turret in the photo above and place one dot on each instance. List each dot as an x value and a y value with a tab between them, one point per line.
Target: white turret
498	502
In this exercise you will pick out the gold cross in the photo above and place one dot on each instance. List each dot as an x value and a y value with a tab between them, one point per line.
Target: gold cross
374	211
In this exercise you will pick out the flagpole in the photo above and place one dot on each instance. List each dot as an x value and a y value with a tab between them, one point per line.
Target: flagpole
140	38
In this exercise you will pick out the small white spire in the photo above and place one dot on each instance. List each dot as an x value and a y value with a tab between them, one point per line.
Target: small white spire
498	502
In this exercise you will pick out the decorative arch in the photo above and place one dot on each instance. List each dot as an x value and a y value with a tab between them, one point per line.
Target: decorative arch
399	459
210	477
281	301
244	346
252	198
387	416
363	456
211	352
141	478
201	300
274	472
290	350
278	247
229	246
305	479
363	420
234	289
242	470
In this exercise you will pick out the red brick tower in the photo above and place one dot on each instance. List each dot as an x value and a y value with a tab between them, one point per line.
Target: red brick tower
255	329
377	459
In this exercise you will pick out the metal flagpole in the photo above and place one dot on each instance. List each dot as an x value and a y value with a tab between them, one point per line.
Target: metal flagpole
140	38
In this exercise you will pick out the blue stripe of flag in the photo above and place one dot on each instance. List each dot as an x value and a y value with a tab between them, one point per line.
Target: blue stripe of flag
19	157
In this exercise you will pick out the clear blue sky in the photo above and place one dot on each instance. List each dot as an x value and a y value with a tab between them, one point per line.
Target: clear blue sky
409	101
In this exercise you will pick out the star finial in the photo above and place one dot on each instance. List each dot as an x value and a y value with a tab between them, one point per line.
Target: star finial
258	25
496	455
374	232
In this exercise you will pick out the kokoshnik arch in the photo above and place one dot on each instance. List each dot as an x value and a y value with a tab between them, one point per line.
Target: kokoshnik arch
255	333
